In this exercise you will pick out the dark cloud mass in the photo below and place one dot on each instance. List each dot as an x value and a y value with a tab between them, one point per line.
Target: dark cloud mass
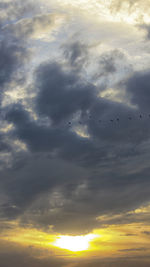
139	88
62	95
11	59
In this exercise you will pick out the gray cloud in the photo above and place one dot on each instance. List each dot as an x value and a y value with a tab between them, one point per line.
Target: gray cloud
138	88
117	5
32	27
133	249
11	59
14	256
76	54
108	63
145	27
61	96
15	10
12	54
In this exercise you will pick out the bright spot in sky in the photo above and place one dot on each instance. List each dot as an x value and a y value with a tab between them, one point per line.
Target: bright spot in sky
74	243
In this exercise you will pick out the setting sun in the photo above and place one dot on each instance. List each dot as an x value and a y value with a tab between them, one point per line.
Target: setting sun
74	243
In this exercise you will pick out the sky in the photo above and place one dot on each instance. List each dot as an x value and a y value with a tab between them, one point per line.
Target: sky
75	133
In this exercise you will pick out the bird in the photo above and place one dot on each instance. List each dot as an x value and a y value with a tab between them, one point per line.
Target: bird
111	120
129	118
117	119
140	116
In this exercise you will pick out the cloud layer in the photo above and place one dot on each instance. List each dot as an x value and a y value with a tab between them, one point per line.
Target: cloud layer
75	116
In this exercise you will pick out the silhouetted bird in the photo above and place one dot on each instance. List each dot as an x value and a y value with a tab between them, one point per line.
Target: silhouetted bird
117	119
140	116
111	120
129	118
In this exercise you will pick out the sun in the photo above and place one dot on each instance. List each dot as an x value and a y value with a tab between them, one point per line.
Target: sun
74	243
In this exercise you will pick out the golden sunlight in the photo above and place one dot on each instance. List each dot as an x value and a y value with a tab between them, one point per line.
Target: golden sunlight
74	243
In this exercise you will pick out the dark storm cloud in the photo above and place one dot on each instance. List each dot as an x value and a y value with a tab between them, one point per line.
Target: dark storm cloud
44	138
12	56
11	59
76	207
40	175
61	96
81	207
13	51
138	87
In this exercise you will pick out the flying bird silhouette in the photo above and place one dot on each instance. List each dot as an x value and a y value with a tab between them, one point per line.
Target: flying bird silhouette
140	116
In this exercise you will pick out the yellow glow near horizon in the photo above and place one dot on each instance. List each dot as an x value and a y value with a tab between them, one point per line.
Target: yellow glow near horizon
74	243
109	241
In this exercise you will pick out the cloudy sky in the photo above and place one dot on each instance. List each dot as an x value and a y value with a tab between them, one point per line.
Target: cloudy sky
75	133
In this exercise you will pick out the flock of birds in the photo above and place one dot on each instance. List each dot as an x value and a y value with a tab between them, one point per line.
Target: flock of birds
113	120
